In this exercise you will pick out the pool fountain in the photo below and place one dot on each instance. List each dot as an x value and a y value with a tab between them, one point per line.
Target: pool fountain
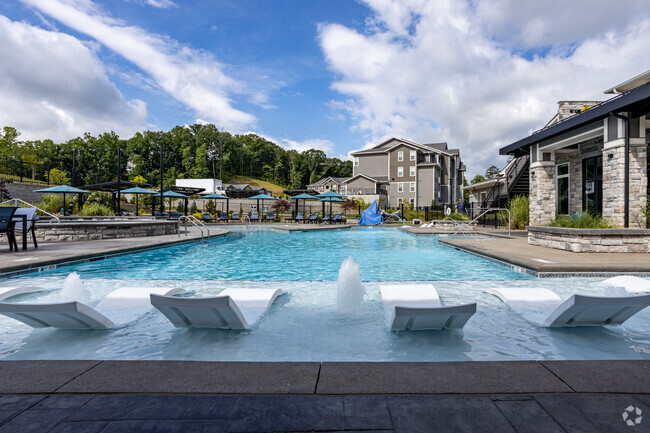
350	291
73	289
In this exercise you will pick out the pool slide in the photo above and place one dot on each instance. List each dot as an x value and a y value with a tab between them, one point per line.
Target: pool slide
121	305
418	307
577	310
232	309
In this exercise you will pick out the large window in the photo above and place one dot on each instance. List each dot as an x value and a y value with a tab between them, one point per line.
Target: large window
356	160
412	155
400	171
412	171
562	190
412	188
400	156
400	187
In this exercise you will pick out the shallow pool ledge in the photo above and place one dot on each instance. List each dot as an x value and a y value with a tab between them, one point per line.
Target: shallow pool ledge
327	378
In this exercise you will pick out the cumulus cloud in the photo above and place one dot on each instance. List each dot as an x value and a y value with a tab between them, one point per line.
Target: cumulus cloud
53	86
300	146
191	76
479	74
162	4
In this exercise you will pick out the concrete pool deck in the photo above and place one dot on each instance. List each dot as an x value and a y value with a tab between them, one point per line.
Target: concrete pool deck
516	396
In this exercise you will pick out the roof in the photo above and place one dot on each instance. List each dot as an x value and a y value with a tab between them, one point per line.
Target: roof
112	185
438	147
636	101
630	84
337	180
376	179
483	184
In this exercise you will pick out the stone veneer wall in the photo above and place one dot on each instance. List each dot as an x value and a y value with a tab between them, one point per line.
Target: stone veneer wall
542	193
591	240
71	231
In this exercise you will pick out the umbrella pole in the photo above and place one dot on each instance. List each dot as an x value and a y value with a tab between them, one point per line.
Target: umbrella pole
63	204
136	205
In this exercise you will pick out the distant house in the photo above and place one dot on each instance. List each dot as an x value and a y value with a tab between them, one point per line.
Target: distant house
244	190
327	184
593	160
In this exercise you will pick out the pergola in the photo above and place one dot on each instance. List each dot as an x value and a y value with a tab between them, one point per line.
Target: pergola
185	190
113	187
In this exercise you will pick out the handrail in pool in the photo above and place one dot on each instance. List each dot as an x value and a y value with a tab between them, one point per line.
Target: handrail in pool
16	200
198	224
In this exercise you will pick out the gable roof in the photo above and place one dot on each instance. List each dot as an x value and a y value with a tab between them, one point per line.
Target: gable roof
379	148
376	179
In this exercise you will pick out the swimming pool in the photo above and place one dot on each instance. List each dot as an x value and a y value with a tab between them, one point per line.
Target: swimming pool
304	324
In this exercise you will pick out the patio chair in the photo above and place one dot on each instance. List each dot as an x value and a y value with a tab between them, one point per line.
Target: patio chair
7	225
417	307
205	216
223	216
235	216
175	215
270	216
577	310
122	305
326	218
312	218
338	218
253	216
232	309
32	216
299	217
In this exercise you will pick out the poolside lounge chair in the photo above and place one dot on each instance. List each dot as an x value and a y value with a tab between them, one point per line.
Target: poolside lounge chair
270	216
7	225
418	307
628	284
338	218
205	216
223	216
577	310
326	218
8	292
232	309
313	217
121	305
175	215
299	217
253	216
235	216
32	216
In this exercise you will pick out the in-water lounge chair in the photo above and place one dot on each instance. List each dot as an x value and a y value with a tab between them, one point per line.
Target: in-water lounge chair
417	307
577	310
628	284
232	309
8	292
122	305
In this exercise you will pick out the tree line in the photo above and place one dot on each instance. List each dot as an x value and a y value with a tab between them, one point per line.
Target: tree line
195	151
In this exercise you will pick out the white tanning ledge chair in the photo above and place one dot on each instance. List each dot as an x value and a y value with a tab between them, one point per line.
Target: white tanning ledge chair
578	310
417	307
8	292
122	305
232	309
628	285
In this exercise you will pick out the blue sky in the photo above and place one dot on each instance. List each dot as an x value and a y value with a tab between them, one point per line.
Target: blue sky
335	75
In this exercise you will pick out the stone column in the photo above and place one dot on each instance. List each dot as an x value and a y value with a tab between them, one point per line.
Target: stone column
614	182
542	192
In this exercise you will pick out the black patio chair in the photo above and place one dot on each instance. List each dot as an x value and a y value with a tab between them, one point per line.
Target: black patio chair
270	216
313	217
7	225
31	217
299	217
223	216
326	218
206	217
338	218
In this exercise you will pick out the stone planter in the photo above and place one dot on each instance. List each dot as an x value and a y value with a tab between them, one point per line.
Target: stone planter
591	240
95	230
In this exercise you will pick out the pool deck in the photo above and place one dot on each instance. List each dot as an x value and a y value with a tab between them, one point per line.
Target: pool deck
129	396
551	262
53	253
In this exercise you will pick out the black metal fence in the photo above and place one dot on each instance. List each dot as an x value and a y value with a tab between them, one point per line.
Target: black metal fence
24	172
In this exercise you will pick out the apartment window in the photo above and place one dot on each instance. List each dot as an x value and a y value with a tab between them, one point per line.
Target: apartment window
412	201
400	187
412	155
412	171
433	158
400	156
412	188
400	171
562	187
356	161
399	201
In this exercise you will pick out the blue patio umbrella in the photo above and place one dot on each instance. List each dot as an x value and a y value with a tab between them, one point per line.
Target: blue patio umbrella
330	194
304	197
262	197
330	199
171	195
137	191
63	189
220	197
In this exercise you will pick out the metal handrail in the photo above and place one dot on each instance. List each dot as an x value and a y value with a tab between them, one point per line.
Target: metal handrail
16	200
195	221
490	209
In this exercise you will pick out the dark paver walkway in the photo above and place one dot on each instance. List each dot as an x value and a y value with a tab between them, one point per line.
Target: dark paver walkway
169	396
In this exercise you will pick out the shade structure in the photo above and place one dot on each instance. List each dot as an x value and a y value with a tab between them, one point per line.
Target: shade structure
330	194
330	199
262	197
304	197
219	197
137	191
63	189
171	195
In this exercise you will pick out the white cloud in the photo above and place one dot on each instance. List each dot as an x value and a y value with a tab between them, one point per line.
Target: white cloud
53	86
300	146
466	72
191	76
162	4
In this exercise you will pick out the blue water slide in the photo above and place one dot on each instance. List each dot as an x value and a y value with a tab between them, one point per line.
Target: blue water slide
371	216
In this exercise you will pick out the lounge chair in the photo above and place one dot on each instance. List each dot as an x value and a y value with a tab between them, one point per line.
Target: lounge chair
232	309
577	310
7	225
338	218
628	285
8	292
299	217
175	215
122	305
312	218
223	216
235	216
31	217
326	218
417	307
253	216
205	216
270	216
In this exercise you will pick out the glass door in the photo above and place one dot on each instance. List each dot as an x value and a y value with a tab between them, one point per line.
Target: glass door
592	185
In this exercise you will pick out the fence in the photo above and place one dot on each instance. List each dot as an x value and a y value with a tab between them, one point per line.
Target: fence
24	172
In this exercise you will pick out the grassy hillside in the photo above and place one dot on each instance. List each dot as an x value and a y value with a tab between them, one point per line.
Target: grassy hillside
277	189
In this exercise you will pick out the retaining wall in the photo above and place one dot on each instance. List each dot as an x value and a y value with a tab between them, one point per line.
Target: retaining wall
591	240
86	231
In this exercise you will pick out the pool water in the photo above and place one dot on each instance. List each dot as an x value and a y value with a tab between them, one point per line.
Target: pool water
304	324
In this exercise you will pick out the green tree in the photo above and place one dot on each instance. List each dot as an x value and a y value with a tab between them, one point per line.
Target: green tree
492	171
58	177
478	178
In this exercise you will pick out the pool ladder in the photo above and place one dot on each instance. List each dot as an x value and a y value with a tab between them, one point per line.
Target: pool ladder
196	223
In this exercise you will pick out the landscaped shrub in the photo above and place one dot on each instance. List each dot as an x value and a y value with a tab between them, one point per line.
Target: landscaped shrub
51	203
197	215
647	213
95	209
102	198
582	220
519	212
193	208
459	216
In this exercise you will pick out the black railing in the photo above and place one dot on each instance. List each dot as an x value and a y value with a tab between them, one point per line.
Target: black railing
515	171
24	172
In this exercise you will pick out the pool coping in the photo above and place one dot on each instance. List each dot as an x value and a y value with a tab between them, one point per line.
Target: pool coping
323	378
